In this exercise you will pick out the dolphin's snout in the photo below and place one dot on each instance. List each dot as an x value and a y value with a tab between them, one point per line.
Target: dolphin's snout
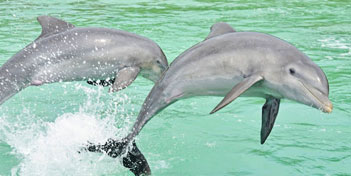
328	108
316	98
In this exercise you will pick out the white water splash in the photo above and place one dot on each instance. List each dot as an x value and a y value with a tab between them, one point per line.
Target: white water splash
55	151
52	148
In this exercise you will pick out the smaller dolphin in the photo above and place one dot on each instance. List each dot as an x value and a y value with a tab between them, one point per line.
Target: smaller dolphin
233	64
64	52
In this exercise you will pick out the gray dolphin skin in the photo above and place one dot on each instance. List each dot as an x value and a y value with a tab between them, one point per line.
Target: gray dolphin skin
64	52
233	64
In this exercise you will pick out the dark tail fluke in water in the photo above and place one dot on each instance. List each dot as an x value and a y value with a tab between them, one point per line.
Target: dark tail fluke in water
103	83
134	160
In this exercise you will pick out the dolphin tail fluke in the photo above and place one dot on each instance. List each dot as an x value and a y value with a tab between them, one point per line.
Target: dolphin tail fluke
104	83
134	160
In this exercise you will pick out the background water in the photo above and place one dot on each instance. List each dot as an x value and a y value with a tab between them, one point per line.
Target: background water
41	128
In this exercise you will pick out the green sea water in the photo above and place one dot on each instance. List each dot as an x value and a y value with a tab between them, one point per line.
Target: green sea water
41	128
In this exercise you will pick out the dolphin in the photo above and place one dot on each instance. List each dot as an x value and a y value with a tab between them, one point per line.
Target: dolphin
232	64
64	52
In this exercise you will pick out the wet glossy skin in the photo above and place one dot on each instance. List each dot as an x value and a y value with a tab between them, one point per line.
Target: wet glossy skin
214	66
80	54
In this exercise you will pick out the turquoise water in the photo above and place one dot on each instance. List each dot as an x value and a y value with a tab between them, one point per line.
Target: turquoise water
41	128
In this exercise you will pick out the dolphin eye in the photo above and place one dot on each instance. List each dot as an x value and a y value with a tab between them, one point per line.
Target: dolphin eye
158	62
292	71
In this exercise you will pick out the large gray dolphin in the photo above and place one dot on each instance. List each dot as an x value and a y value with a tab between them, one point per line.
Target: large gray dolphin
64	52
233	64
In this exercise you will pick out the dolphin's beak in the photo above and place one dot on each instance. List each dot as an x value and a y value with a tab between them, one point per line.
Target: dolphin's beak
328	108
319	99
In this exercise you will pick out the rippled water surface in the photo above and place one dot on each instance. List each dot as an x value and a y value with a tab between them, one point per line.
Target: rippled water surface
41	128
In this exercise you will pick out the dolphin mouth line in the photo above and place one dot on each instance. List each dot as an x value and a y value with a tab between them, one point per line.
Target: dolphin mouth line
326	108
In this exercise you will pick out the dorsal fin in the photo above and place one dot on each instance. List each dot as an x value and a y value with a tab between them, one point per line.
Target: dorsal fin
51	25
219	29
